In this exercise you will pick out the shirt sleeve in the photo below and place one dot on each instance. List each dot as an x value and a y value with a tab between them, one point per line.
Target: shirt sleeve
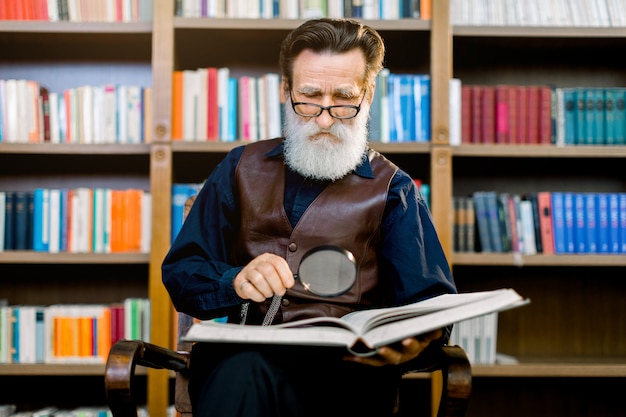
196	271
412	256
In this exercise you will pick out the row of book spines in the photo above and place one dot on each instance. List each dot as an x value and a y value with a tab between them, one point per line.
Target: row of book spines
478	337
77	220
541	223
29	113
12	410
209	104
590	116
77	11
68	333
546	13
540	114
307	9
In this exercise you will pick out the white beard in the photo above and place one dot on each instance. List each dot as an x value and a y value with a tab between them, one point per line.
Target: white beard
324	154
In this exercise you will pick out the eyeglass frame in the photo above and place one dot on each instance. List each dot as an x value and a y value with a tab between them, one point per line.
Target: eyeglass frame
327	108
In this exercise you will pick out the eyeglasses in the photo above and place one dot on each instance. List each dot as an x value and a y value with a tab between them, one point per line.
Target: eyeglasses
340	111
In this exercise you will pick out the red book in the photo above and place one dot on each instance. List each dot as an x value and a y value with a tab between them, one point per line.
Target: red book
545	115
488	113
502	114
476	130
213	121
466	114
513	117
532	116
522	112
544	204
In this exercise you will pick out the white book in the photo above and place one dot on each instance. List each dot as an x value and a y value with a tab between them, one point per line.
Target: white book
363	332
383	88
98	114
85	115
262	107
223	74
26	328
62	119
122	114
134	114
253	109
53	10
455	112
289	9
190	104
201	133
5	311
55	134
146	222
54	234
274	107
109	114
528	228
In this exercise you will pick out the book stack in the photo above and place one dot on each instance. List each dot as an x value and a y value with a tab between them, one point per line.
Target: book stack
76	220
70	333
546	222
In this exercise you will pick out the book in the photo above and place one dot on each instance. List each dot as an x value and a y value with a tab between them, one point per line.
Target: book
363	332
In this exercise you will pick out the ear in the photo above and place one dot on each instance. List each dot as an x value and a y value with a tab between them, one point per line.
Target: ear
371	91
284	90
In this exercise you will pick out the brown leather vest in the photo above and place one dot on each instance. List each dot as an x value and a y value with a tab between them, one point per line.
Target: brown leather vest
347	213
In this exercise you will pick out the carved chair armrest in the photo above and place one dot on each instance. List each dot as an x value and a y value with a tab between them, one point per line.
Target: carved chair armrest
119	375
457	382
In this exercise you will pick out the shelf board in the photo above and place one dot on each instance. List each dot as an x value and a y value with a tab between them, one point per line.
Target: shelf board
30	257
74	149
552	370
539	32
289	24
40	369
40	26
547	151
518	260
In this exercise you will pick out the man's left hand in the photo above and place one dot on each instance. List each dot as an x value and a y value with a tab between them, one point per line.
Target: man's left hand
407	350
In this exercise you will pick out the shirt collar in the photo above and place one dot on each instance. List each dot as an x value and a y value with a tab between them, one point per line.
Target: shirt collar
364	169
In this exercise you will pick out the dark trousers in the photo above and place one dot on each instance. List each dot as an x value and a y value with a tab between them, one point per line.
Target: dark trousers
287	381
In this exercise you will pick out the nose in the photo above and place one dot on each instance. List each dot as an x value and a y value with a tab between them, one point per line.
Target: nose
325	120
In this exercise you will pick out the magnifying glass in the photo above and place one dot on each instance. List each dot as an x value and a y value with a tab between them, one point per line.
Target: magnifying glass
327	271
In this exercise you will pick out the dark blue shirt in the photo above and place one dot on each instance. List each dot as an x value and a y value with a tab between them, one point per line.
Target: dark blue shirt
199	278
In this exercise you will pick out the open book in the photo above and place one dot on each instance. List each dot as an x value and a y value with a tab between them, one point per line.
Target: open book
363	332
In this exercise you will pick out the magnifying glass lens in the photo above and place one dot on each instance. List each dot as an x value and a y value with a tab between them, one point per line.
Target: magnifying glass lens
327	271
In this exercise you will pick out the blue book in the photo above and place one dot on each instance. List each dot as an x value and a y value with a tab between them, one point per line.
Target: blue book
590	117
482	221
598	113
614	238
493	215
41	219
622	221
423	134
591	222
609	116
180	193
569	116
602	210
405	111
620	116
233	104
580	224
15	337
580	116
558	222
568	213
23	214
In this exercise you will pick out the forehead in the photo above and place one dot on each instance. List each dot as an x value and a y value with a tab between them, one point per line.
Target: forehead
329	70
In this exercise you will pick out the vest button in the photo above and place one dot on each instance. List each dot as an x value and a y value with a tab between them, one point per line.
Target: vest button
293	247
285	302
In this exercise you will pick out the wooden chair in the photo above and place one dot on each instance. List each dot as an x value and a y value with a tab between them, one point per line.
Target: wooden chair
125	355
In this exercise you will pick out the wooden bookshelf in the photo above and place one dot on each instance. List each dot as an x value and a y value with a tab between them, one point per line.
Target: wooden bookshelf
552	338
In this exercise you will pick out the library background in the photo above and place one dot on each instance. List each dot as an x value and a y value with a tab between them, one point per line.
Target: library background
513	127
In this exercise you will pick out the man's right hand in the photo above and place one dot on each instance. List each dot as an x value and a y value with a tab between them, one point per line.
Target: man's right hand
265	276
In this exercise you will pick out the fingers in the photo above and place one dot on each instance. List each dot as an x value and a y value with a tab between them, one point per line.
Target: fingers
406	350
265	276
